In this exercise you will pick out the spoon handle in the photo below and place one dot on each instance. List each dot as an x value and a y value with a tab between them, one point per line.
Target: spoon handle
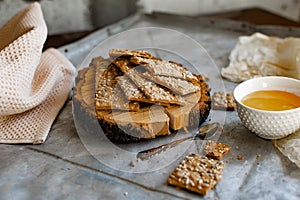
143	155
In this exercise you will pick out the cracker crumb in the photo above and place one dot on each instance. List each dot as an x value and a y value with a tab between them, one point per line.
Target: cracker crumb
131	164
239	157
258	155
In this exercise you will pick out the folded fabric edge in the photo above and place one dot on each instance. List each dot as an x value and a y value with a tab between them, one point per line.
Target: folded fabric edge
22	40
28	19
42	116
69	71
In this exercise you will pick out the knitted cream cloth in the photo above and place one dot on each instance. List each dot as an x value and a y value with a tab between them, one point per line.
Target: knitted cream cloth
34	86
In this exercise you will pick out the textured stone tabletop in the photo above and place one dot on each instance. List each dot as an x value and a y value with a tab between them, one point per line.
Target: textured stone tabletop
64	168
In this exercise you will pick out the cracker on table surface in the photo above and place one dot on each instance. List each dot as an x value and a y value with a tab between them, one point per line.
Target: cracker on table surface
223	101
215	150
197	173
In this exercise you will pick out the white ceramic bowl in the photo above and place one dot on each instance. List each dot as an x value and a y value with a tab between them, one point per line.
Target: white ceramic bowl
268	124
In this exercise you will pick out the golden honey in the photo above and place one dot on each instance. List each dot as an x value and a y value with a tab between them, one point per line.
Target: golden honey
272	100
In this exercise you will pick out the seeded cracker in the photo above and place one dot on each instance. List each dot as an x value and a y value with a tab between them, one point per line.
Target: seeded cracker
216	150
108	96
130	90
164	68
223	101
153	91
197	173
123	64
132	93
176	85
128	53
101	65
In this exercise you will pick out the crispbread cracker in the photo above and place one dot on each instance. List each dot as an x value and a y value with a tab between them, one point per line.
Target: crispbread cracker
223	101
164	68
153	91
105	87
101	65
128	53
215	150
123	64
197	173
117	102
176	85
130	90
108	96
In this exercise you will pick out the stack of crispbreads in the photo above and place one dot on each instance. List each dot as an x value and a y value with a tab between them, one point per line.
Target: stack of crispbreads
137	96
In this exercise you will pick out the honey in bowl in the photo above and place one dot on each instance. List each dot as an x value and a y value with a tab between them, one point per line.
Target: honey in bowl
271	100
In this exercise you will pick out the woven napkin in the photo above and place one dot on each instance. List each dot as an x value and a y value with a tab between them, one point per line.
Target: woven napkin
34	85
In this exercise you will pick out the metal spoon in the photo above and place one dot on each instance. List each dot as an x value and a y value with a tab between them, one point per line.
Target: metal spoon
207	130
